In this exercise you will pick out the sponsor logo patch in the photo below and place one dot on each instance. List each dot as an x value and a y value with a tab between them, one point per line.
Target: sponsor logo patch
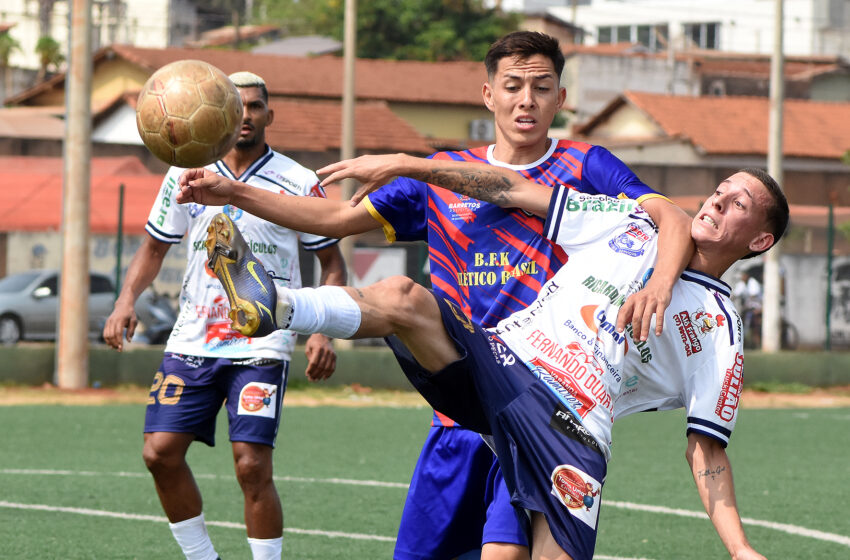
578	491
687	333
733	382
258	399
705	322
563	422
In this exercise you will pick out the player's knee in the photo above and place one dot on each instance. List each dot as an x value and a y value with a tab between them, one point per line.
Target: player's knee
252	470
159	459
401	297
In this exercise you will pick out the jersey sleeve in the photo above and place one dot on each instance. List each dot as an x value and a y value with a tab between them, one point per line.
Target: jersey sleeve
309	241
713	393
168	221
604	173
576	219
401	207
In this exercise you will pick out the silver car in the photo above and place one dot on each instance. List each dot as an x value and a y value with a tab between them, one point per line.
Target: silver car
29	305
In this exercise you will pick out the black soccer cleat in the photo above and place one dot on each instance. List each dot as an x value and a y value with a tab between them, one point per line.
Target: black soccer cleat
249	287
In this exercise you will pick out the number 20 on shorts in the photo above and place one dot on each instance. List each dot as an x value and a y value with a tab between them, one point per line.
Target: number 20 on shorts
159	389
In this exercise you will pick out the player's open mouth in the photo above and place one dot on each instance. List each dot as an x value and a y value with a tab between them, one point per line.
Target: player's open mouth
709	220
525	122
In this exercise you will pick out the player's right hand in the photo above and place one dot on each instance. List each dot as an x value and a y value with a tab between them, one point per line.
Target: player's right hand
202	186
123	318
373	171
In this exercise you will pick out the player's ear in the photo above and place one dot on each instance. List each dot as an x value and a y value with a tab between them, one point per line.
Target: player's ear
270	118
487	93
562	96
762	242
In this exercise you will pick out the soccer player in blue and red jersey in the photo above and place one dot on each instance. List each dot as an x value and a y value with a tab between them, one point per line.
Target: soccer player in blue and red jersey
489	261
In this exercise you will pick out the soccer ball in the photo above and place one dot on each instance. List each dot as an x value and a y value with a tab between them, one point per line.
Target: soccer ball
189	113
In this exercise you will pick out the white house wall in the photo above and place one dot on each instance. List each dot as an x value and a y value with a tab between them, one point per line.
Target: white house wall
746	25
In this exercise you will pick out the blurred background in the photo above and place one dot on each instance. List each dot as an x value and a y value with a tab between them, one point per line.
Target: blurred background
678	89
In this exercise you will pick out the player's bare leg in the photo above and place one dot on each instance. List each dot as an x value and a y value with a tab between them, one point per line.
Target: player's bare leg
165	457
263	513
544	546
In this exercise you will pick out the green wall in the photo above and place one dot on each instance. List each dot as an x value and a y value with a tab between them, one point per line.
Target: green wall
376	367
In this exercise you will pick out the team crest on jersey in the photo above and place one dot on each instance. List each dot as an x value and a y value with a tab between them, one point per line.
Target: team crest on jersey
258	399
232	211
631	242
578	491
195	210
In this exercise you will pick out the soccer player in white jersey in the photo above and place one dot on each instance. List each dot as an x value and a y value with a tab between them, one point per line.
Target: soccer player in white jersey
547	382
206	362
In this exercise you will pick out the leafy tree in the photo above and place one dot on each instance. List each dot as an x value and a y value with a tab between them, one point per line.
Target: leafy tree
49	54
400	29
8	46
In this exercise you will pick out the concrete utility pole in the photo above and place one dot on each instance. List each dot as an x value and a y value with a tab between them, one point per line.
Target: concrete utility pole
347	145
72	356
771	331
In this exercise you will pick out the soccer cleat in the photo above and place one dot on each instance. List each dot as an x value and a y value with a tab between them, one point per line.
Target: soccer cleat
249	287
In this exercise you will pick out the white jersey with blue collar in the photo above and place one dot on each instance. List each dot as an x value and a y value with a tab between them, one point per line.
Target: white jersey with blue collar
696	364
568	339
203	325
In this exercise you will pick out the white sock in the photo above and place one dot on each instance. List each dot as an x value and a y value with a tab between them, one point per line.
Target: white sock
266	549
191	535
327	309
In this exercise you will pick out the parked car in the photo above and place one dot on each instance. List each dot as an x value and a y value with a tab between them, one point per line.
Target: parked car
29	305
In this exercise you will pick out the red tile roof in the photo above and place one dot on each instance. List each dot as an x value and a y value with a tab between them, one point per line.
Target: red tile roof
452	83
225	35
35	204
315	126
739	125
391	80
721	63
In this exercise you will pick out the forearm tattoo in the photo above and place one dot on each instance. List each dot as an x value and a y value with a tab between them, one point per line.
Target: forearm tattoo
489	186
713	474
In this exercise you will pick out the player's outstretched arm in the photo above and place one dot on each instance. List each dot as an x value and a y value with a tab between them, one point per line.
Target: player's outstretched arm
675	249
319	216
713	476
477	180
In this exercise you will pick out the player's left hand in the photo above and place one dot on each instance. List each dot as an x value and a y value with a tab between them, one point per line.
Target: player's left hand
640	307
373	171
321	358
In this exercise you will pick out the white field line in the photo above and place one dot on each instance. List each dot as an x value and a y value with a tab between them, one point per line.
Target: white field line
160	519
782	527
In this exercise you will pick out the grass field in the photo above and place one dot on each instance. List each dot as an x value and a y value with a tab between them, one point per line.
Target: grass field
73	485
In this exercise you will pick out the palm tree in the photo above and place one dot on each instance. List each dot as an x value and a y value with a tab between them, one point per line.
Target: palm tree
49	54
8	45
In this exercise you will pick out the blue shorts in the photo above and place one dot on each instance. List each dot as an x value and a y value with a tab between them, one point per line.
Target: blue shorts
549	462
188	391
457	500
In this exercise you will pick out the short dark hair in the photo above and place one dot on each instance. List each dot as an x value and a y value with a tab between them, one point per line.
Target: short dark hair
777	213
524	44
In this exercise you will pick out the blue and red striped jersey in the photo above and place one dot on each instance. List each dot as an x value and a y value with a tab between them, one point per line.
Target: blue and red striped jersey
488	260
